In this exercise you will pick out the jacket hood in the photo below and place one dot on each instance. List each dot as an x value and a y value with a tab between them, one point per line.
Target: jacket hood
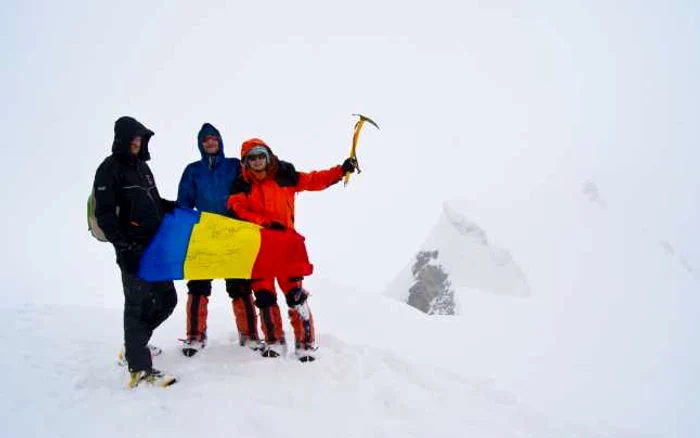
248	145
209	129
125	129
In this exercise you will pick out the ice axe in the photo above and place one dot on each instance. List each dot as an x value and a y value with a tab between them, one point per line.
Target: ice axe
355	137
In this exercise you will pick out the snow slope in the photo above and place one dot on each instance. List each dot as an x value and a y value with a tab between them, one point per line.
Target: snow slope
65	381
603	345
608	335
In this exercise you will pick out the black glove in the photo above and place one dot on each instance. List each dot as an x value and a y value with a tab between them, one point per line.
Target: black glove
350	165
168	206
129	256
274	225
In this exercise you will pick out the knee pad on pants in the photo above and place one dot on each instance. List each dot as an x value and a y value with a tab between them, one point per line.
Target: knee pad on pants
265	298
296	296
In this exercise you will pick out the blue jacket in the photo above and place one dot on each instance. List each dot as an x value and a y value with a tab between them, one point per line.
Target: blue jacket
205	184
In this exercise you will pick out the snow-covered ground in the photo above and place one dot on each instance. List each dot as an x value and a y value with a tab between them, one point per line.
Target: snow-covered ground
578	309
63	380
602	344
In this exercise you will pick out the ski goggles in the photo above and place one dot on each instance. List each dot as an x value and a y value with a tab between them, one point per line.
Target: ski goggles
255	157
257	153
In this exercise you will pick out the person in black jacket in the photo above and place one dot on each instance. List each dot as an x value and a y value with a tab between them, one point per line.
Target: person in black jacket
129	211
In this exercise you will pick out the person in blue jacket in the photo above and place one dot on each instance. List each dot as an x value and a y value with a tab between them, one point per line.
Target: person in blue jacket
205	185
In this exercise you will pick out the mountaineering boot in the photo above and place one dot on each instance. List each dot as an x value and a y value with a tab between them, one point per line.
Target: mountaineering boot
197	314
153	377
252	343
273	349
192	346
306	352
271	322
246	320
302	321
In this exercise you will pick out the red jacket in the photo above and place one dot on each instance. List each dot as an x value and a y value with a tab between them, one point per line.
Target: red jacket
272	198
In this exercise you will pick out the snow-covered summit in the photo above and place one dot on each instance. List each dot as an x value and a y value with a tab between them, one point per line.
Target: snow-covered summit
460	249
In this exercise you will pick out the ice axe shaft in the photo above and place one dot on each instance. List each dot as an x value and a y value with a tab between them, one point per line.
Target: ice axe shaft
355	137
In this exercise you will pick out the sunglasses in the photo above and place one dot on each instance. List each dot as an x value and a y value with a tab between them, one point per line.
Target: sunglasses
256	157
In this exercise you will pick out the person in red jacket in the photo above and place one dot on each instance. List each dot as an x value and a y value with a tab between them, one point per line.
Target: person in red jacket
264	194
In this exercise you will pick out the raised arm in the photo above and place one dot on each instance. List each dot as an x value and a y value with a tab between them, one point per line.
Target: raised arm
319	179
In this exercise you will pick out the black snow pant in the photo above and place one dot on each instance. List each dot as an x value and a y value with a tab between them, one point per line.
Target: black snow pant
146	306
234	287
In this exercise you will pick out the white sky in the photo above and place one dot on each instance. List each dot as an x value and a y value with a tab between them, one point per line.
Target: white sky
476	100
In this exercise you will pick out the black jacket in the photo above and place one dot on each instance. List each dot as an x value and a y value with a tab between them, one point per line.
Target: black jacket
128	207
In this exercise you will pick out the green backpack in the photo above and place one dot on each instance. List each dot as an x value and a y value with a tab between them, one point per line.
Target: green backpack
93	226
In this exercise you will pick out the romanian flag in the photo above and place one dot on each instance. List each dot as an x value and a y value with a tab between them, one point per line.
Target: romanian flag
197	246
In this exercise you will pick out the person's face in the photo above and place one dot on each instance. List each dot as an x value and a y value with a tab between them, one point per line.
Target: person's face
211	145
257	162
135	145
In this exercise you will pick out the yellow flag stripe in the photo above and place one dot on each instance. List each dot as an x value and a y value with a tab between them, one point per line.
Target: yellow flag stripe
221	248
